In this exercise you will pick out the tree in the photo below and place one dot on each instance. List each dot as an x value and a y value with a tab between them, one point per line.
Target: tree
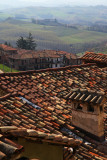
31	45
8	44
21	43
26	43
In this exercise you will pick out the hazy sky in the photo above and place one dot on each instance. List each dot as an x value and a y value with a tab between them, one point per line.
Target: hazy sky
18	3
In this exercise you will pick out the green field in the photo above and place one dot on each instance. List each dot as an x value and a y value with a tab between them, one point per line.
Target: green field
48	37
4	68
85	37
10	30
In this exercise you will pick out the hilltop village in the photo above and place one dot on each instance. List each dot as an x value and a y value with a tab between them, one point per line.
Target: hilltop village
55	107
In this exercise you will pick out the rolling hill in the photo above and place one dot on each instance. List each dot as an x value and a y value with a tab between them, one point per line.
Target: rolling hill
49	37
69	15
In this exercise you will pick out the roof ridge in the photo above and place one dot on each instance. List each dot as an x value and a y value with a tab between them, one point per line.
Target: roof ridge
48	69
29	133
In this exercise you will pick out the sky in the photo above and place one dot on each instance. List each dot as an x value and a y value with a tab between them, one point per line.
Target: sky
19	3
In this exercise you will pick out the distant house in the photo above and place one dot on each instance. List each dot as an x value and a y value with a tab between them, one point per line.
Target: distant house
5	52
72	59
99	58
31	60
8	49
22	59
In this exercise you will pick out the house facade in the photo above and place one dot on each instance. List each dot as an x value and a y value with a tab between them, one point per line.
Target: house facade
32	60
22	59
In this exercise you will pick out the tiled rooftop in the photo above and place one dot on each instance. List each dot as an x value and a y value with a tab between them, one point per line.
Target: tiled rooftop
7	48
35	100
95	57
2	92
24	54
54	82
18	112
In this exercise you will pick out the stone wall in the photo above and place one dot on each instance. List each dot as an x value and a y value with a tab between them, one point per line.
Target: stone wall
90	122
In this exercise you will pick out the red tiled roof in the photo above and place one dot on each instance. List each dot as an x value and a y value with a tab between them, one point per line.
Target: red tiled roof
56	81
7	48
95	57
24	54
71	56
41	105
2	92
27	54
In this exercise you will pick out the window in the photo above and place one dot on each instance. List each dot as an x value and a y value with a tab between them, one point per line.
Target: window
79	107
22	62
90	108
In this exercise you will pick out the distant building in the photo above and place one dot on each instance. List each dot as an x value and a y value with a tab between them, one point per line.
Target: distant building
34	60
8	49
22	59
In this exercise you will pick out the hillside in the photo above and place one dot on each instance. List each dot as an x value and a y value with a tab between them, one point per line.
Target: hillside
50	37
70	15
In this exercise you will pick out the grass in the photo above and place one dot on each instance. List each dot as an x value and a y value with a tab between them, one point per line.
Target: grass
12	30
48	37
6	69
85	37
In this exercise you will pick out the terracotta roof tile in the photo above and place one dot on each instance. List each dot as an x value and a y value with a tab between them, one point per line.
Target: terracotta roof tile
95	57
7	48
40	104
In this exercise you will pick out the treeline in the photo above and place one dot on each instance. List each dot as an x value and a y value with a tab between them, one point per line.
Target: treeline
74	48
51	22
98	28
